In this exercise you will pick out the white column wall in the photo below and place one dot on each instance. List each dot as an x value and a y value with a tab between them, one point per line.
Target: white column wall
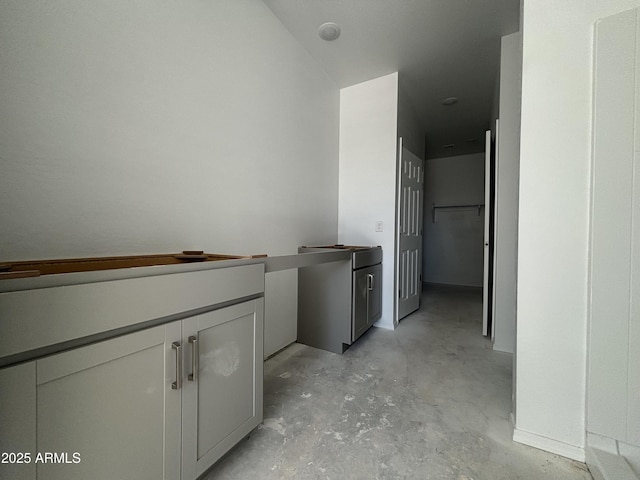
368	129
156	126
553	232
506	201
613	380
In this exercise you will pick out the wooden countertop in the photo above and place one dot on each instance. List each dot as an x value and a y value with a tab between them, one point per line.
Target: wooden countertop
34	268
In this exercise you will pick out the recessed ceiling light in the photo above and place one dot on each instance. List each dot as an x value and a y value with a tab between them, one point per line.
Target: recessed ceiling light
329	31
450	101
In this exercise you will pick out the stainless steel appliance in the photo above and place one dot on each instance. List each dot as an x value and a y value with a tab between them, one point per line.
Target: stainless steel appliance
339	301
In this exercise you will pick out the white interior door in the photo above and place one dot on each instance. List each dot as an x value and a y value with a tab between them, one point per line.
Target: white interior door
486	298
409	228
494	229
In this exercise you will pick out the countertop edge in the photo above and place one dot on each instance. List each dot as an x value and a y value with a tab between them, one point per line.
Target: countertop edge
96	276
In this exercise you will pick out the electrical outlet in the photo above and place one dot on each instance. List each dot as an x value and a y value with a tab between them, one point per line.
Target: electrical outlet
379	226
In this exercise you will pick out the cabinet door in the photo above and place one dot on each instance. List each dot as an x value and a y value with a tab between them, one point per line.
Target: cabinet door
222	402
375	294
360	314
367	299
113	404
18	420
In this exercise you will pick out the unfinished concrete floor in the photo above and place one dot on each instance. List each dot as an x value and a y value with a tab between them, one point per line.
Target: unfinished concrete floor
429	400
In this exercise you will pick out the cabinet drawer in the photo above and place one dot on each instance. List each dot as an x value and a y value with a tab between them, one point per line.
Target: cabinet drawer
33	319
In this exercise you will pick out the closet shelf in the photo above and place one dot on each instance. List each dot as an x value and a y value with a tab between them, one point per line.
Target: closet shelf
479	206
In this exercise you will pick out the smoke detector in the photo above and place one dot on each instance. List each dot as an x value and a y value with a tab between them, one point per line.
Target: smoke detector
329	31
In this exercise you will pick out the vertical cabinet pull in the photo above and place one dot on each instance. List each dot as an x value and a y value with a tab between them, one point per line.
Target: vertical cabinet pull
370	281
178	383
193	376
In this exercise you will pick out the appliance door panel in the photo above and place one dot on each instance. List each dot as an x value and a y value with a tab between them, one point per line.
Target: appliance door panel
367	298
375	294
360	316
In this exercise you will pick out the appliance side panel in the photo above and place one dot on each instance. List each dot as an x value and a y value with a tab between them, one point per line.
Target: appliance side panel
324	306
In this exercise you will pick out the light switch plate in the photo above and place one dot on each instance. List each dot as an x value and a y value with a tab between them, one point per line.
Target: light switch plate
379	226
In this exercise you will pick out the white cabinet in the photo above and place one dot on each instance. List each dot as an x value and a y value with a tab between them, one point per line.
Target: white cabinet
131	407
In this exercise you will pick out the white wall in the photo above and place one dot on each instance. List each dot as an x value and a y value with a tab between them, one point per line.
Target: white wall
554	220
613	381
506	199
368	129
157	126
453	244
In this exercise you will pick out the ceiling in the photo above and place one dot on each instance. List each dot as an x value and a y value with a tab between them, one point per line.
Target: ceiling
441	48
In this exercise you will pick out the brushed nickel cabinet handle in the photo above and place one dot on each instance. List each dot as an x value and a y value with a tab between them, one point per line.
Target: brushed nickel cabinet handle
370	281
193	376
178	383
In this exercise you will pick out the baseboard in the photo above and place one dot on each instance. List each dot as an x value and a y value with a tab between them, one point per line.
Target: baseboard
504	349
384	325
608	466
554	446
